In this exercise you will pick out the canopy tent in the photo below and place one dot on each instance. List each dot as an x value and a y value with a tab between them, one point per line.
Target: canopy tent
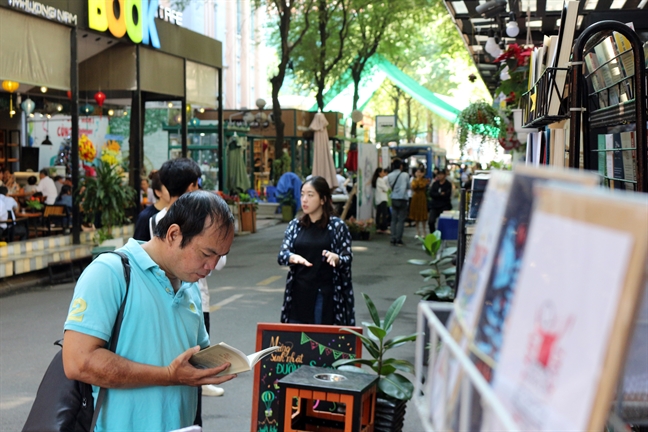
378	69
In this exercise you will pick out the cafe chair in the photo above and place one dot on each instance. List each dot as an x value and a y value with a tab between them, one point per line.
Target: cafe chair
15	228
55	219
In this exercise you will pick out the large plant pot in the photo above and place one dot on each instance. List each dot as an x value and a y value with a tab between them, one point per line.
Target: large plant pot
286	213
390	414
248	217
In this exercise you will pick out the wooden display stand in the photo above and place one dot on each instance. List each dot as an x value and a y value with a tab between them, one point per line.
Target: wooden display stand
357	391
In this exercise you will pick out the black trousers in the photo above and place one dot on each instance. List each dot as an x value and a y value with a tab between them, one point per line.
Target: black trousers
433	216
382	216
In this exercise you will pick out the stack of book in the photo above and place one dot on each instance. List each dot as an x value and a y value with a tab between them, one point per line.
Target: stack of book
617	160
609	71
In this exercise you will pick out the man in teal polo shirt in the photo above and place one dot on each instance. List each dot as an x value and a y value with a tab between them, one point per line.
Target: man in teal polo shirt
150	381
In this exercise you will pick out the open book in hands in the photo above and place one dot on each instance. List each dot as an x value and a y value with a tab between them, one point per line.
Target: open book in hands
221	353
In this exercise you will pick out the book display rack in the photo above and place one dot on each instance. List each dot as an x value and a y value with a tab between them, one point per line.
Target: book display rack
608	105
540	103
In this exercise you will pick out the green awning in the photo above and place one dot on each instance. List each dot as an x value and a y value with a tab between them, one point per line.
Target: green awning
339	98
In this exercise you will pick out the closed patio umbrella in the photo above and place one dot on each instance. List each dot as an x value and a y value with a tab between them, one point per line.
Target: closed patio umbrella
237	176
322	159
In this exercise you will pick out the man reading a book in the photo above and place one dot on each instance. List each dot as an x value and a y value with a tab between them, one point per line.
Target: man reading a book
150	382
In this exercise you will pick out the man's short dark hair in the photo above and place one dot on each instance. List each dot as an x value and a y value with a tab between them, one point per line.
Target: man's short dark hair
396	164
44	171
32	180
178	174
194	212
57	178
4	190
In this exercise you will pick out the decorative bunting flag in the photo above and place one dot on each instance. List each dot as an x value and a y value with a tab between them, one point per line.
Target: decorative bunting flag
323	348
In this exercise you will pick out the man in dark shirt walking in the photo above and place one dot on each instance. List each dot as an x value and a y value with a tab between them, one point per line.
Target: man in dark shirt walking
441	194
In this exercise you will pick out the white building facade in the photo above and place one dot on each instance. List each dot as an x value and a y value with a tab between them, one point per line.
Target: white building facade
245	57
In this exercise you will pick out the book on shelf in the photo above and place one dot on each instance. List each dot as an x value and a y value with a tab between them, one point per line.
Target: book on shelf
626	56
596	79
611	75
609	161
222	353
601	154
629	156
566	32
617	160
558	147
552	50
617	68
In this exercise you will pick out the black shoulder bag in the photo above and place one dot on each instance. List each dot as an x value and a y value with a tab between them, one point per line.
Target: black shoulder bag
65	405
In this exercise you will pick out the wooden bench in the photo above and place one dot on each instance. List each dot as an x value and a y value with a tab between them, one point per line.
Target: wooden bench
68	262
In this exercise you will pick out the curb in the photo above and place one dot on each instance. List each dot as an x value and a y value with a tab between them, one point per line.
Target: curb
36	280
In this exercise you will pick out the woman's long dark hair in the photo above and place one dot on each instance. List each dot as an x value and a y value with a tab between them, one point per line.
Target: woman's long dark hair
374	179
65	190
322	188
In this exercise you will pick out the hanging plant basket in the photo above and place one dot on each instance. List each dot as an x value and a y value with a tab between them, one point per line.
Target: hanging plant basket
479	119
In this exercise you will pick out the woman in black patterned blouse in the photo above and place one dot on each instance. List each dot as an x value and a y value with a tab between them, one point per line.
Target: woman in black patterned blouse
317	247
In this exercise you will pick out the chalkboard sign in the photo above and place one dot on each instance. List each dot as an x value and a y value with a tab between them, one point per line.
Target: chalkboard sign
312	345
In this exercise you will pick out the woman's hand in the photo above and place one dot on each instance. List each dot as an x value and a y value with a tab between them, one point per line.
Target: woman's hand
298	259
331	258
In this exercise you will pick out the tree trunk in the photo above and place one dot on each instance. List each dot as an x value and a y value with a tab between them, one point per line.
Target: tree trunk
277	82
396	106
430	128
356	97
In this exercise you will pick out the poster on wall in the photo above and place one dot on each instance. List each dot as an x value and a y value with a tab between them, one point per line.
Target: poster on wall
367	164
571	318
59	128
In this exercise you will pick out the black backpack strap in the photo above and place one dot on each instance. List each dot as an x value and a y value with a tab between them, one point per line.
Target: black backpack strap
115	334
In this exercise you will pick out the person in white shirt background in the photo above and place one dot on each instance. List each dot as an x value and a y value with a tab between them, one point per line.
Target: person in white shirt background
47	187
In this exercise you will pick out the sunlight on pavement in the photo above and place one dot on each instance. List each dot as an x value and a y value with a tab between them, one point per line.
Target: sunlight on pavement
6	405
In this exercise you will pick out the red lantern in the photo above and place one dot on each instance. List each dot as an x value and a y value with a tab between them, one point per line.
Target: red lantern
69	94
100	97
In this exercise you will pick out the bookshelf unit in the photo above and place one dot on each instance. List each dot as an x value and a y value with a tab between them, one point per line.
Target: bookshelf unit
611	114
10	149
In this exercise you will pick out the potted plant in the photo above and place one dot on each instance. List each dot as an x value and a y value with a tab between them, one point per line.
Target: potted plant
360	229
441	274
33	205
288	204
105	197
479	119
394	388
247	212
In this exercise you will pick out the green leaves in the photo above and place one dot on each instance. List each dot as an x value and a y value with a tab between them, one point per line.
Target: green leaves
106	193
372	309
390	383
393	311
396	386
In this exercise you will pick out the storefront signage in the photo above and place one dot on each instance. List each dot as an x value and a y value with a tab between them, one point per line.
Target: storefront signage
45	11
135	18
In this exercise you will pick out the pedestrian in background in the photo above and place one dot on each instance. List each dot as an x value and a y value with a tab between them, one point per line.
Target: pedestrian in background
398	181
418	207
441	194
143	230
317	247
381	190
